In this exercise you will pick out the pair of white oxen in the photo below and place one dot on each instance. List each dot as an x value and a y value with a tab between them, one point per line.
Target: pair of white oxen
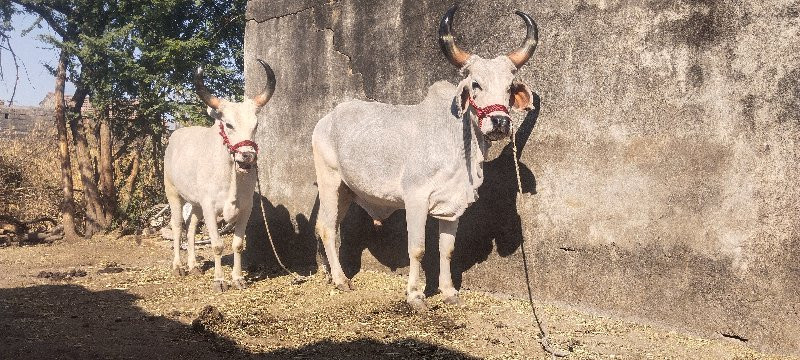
425	158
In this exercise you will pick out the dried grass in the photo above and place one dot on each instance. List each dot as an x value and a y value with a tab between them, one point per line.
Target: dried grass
30	184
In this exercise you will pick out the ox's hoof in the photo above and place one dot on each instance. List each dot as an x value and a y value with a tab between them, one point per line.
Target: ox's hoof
346	286
219	286
179	271
240	283
196	271
418	305
453	300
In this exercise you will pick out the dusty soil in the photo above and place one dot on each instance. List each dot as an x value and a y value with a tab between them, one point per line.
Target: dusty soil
116	298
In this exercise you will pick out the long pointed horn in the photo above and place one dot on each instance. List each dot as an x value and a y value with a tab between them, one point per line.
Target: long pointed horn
453	53
202	92
520	56
262	99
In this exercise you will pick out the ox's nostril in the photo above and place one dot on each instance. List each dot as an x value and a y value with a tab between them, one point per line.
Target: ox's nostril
500	121
248	156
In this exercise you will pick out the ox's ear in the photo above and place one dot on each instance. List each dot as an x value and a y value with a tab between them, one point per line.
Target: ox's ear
463	95
521	98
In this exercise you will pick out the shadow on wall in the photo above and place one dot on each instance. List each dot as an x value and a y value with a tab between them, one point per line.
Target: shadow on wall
295	241
491	222
69	321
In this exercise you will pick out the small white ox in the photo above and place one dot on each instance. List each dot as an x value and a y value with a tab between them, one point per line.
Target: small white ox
425	158
212	169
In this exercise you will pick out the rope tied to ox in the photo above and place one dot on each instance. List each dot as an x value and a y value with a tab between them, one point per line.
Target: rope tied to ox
544	338
297	278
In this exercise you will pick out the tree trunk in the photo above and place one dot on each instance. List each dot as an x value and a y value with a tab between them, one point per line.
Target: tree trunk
68	203
95	219
107	168
130	182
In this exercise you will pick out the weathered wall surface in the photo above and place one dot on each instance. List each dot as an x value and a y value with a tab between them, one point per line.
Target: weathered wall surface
661	165
20	120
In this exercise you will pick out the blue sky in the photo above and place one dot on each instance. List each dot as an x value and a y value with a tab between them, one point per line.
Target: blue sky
35	80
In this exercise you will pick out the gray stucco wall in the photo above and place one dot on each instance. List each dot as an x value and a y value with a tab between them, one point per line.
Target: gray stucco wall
661	165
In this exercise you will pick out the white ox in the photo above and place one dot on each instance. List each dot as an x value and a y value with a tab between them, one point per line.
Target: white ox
211	168
425	158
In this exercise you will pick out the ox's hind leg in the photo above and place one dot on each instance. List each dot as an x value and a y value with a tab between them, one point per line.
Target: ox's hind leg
447	241
416	216
176	223
334	200
191	231
210	217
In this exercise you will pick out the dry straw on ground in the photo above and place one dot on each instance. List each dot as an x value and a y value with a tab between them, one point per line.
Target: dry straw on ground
131	297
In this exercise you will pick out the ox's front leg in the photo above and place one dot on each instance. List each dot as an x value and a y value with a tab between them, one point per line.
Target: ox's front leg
447	242
210	216
416	216
238	245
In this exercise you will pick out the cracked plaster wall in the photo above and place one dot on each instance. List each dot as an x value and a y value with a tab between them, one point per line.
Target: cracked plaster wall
662	166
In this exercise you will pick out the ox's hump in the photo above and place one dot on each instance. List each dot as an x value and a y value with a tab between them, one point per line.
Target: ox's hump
441	91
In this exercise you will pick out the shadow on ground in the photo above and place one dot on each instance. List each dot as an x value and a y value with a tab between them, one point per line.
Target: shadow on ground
71	322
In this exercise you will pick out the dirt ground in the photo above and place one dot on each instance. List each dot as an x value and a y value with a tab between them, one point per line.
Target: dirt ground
115	298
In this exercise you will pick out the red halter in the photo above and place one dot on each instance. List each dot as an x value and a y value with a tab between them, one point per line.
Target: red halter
234	148
485	111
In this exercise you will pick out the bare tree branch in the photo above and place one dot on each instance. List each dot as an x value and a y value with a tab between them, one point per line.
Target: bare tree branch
45	14
16	65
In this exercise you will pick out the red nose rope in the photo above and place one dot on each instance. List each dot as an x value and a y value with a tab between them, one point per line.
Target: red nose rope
485	111
234	148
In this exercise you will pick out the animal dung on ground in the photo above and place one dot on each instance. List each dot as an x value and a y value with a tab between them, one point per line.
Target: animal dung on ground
61	275
209	315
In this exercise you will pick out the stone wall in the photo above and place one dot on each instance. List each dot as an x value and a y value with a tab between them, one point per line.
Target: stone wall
20	120
661	165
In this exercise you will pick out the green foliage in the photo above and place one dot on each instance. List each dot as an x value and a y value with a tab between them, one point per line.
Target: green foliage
146	51
135	59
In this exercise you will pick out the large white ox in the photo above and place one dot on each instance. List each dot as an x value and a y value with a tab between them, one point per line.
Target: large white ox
425	158
212	169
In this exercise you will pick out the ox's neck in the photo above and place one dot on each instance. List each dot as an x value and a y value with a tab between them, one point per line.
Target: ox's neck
475	148
239	185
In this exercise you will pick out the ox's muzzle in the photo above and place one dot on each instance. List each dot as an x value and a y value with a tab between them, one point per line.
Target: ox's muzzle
245	160
498	115
501	127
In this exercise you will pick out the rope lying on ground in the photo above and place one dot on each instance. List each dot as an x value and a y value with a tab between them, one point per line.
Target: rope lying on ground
544	339
298	279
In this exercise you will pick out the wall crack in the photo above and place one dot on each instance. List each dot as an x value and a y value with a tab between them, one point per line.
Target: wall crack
281	16
318	28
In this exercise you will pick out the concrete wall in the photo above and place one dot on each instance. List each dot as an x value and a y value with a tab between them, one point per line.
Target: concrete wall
661	166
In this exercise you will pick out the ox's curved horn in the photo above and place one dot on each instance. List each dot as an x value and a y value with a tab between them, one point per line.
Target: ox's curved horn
262	99
453	53
210	100
521	55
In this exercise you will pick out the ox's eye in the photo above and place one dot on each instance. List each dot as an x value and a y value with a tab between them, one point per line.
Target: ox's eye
229	126
476	86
